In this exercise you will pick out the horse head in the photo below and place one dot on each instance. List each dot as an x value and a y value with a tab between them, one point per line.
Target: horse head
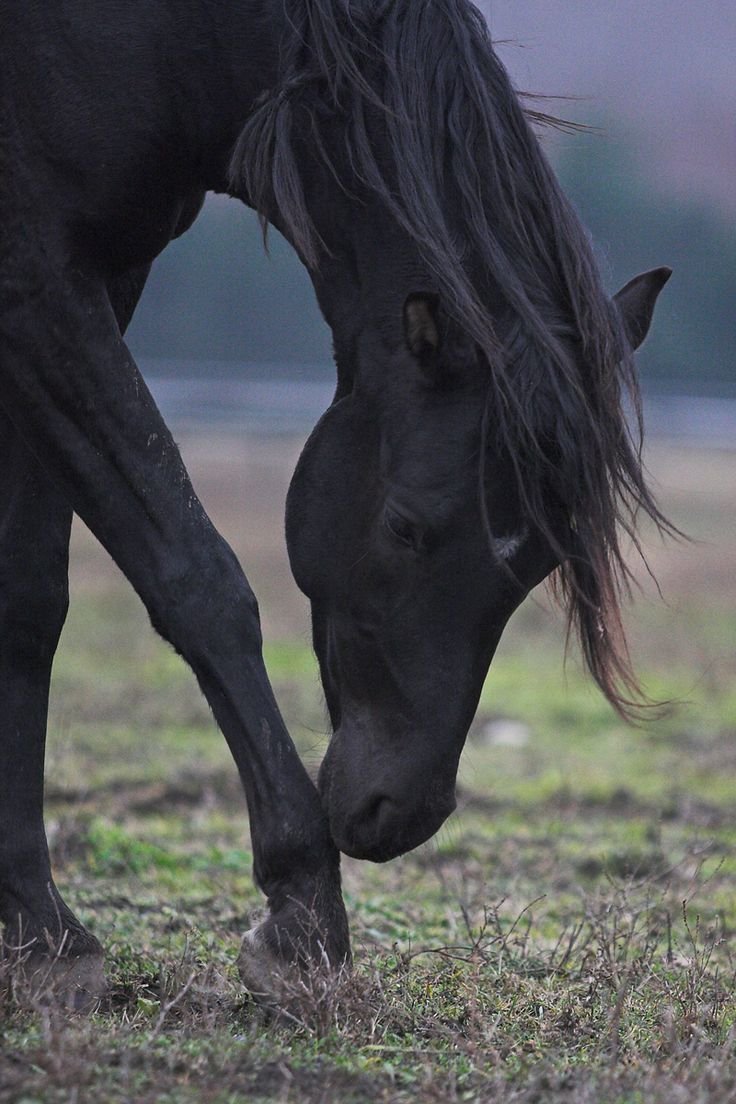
478	439
407	530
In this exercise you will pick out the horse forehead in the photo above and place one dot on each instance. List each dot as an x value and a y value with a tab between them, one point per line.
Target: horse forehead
427	426
424	461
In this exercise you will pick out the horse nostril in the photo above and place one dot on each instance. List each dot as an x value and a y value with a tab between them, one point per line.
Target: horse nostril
371	830
375	807
379	818
382	827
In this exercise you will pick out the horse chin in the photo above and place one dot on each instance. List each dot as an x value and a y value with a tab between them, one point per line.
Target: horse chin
384	837
379	815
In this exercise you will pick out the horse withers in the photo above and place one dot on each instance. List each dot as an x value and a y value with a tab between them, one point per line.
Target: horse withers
477	441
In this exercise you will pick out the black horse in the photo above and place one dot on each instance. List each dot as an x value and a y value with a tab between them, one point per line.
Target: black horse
477	441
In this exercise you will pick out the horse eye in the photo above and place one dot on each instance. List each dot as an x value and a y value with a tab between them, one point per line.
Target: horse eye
402	530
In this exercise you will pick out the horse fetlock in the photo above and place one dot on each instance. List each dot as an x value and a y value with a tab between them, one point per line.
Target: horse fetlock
295	860
36	921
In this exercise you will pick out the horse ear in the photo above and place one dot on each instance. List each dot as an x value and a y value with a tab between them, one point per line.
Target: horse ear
635	302
421	327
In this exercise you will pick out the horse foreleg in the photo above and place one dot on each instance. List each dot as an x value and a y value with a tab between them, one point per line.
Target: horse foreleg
74	392
34	537
40	932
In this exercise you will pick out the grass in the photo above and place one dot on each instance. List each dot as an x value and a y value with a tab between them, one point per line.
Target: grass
567	937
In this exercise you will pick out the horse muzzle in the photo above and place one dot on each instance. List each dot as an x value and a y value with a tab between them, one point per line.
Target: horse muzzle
378	809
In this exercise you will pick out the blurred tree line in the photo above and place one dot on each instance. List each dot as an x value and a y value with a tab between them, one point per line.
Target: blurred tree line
216	298
635	225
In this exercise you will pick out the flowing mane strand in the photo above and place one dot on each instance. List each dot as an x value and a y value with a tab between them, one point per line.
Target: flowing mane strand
459	168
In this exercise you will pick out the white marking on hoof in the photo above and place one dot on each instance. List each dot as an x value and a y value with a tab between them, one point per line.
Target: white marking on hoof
263	973
299	991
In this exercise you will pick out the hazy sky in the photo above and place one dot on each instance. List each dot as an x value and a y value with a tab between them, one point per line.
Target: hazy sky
666	67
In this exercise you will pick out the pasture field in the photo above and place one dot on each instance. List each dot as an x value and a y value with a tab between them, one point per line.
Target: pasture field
569	935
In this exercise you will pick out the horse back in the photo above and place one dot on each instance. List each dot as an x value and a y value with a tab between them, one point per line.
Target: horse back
109	121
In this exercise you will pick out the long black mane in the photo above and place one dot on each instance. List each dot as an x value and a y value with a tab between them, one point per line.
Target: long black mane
460	169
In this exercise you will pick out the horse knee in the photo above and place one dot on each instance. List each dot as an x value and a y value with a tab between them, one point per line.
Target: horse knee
198	609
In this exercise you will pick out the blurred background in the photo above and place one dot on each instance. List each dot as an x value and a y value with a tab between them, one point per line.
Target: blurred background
655	182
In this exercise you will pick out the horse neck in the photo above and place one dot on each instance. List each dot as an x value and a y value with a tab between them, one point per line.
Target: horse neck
238	62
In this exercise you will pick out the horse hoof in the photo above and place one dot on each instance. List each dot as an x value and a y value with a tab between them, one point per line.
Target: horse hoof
72	983
263	972
286	983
